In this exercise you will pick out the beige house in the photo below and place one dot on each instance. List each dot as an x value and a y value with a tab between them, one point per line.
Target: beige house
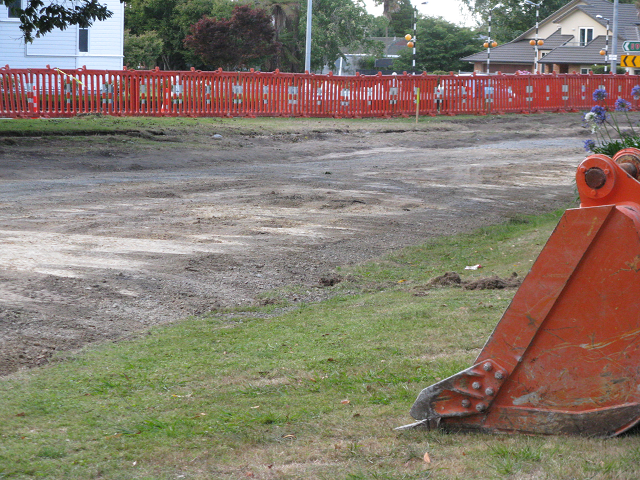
573	37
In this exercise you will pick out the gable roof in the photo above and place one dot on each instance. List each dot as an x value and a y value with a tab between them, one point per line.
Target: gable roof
627	16
589	54
561	12
517	51
392	45
559	48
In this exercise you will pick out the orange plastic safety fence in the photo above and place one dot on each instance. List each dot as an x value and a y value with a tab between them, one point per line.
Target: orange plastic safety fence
56	93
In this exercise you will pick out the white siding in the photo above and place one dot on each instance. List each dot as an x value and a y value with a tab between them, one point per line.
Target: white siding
62	42
59	48
106	41
12	49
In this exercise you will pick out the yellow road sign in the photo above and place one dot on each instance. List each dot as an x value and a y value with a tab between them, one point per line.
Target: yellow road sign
630	61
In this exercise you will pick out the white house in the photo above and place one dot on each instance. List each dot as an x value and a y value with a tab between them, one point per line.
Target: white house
97	47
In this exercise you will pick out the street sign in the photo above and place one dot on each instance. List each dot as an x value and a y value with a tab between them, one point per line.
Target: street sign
630	61
630	46
612	57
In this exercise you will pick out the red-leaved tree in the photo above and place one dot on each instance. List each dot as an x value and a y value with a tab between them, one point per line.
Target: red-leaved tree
245	40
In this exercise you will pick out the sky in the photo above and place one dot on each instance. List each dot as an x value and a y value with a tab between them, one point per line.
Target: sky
450	10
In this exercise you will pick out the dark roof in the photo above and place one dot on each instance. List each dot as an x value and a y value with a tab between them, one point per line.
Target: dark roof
627	16
555	40
512	52
560	48
392	45
516	52
572	53
552	18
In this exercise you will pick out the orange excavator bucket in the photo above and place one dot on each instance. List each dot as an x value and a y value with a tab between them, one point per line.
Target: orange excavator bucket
565	357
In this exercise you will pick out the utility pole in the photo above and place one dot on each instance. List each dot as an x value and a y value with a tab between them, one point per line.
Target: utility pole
536	42
605	52
415	36
307	48
489	43
613	56
412	39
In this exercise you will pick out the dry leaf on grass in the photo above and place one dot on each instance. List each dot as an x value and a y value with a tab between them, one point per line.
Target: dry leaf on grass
427	458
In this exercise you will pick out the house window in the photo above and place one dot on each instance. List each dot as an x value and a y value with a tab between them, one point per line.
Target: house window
585	71
12	9
83	40
586	35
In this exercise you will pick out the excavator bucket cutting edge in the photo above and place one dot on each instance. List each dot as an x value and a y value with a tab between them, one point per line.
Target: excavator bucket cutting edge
565	357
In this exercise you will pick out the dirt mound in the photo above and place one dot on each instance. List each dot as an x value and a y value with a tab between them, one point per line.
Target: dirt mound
453	279
330	280
447	280
493	283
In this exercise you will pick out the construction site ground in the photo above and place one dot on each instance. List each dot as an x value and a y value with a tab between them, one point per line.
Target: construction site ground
104	236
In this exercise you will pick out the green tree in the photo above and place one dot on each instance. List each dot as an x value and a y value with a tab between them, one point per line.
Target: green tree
142	51
338	25
440	45
397	24
511	18
245	40
379	27
389	7
41	16
402	20
171	21
286	21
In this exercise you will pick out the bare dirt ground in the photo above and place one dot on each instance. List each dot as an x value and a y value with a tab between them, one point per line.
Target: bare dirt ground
103	237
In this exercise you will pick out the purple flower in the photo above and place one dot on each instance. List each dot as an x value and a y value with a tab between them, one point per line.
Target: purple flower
599	94
622	105
589	145
635	92
599	114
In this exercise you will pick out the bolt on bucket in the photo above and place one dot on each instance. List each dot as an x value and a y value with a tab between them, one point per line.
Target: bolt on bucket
565	357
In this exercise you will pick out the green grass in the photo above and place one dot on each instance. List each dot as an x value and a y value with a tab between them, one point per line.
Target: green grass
313	393
103	124
66	136
99	124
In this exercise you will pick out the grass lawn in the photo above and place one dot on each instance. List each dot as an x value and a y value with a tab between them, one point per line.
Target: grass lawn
112	125
311	392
